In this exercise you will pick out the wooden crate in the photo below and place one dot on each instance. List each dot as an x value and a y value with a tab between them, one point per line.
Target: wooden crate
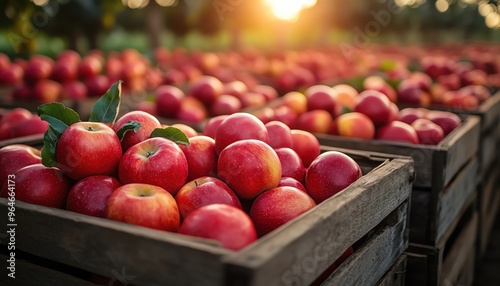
489	205
155	257
451	261
396	275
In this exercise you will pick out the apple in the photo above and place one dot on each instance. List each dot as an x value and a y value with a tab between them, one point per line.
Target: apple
397	131
296	101
225	104
286	115
379	84
315	121
252	99
265	114
69	56
38	67
320	97
39	185
239	126
174	77
479	91
4	61
144	205
206	89
291	164
200	156
235	88
90	66
229	225
306	145
15	157
409	92
279	135
446	120
168	100
148	124
11	75
65	71
212	124
249	167
31	126
330	173
450	81
186	129
89	195
156	161
204	191
22	91
47	91
460	99
74	90
375	105
267	91
278	206
15	116
86	149
345	98
192	110
291	182
98	85
428	132
355	125
408	115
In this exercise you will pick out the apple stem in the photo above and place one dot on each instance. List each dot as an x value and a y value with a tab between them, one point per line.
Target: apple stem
149	154
90	129
196	183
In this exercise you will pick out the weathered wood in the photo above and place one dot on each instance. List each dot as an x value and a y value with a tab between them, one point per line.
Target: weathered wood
296	253
369	263
396	275
489	205
420	215
488	150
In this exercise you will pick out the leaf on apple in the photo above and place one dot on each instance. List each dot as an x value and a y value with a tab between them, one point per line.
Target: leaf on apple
171	133
106	109
58	116
129	126
50	139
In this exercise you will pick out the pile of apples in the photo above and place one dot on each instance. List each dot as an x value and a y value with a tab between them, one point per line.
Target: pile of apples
20	122
371	114
207	96
238	181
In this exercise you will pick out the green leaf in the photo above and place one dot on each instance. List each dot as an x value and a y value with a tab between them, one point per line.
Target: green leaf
171	133
58	115
106	108
129	126
50	139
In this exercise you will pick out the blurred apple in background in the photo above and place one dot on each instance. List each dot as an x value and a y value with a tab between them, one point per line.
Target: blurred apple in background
168	100
89	67
320	97
295	100
315	121
379	84
397	131
97	85
74	90
213	123
408	115
306	145
186	129
225	104
428	132
375	105
446	120
11	75
355	125
46	91
267	91
38	67
206	89
279	135
192	110
30	126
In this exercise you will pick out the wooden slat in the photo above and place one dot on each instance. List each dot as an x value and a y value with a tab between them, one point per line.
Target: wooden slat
420	215
489	206
297	252
369	264
396	275
488	150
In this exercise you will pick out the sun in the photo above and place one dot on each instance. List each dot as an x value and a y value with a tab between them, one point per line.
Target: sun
289	10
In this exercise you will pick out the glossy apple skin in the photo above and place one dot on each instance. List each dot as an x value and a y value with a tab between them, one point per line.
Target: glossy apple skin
249	167
397	131
315	121
446	120
375	105
156	161
201	157
15	157
40	185
428	132
168	100
320	97
226	224
144	205
88	148
148	124
408	115
306	145
204	191
239	126
291	164
225	104
291	182
212	124
355	125
279	135
207	89
89	196
31	126
186	129
330	173
278	206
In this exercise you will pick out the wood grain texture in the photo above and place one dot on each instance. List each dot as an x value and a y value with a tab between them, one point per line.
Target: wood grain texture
489	205
396	275
301	251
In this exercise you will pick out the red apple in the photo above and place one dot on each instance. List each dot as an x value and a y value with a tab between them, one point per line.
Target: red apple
11	75
428	132
446	120
375	105
156	161
291	164
398	131
192	110
409	92
239	126
235	88
226	224
225	104
330	173
145	205
286	115
38	67
291	182
186	129
15	116
379	84
479	91
278	206
22	92
89	196
148	124
204	191
265	114
15	157
252	99
47	91
212	124
39	185
279	135
315	121
98	85
320	97
75	90
206	89
90	67
88	148
200	156
295	100
27	127
408	115
305	145
168	100
65	71
268	91
355	125
249	167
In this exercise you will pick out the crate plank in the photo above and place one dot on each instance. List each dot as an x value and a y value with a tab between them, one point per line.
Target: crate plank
370	263
489	205
488	150
396	275
290	250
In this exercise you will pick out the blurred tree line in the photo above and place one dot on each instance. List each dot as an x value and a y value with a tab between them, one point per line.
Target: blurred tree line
84	20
